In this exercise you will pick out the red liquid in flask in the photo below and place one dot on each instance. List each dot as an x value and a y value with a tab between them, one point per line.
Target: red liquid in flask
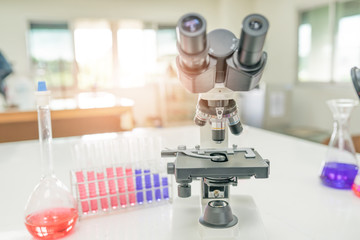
51	223
356	189
356	186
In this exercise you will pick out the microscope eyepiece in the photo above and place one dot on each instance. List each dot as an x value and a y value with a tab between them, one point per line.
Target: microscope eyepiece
191	33
252	39
192	23
255	25
192	43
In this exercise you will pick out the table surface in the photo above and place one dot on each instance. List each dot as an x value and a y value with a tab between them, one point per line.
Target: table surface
292	202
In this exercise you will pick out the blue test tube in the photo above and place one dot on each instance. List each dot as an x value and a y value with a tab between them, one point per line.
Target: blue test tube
156	179
139	186
164	181
148	185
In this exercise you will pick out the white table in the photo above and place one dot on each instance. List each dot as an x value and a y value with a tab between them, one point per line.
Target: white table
292	202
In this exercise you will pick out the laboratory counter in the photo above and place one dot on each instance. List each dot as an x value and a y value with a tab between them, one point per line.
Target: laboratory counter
292	202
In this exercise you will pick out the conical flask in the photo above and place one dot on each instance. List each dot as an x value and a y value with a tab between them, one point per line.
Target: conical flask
340	165
51	211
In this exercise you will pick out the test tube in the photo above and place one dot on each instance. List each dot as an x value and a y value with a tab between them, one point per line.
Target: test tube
109	156
139	186
156	179
82	191
121	185
156	155
149	155
92	191
80	179
120	151
129	175
130	185
148	185
112	187
136	151
100	177
164	181
91	179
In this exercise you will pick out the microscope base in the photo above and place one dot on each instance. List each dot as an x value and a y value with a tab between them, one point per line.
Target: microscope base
186	213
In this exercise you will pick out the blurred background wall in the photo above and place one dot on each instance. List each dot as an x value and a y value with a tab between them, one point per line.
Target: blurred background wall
282	103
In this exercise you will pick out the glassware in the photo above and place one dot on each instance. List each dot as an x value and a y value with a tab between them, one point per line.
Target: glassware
51	211
340	165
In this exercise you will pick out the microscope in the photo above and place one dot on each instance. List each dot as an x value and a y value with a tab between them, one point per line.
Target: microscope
216	66
355	75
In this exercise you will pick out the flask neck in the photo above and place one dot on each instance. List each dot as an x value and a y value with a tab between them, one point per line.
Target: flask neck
45	140
341	130
341	124
341	138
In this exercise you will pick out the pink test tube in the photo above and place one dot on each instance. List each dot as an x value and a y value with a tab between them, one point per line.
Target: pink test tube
130	186
121	185
112	187
102	191
82	191
92	190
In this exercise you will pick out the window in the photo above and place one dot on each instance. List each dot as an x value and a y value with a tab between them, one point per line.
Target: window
93	54
51	52
106	54
166	42
329	43
136	54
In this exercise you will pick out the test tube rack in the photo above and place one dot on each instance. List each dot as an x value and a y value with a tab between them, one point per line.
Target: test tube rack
119	186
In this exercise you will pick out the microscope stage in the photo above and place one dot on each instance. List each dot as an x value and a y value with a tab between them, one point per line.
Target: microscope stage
237	164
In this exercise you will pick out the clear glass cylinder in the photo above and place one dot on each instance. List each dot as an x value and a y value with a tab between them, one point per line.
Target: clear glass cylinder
51	211
340	165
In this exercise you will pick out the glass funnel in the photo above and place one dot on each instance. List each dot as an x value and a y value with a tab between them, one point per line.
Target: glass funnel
51	211
340	165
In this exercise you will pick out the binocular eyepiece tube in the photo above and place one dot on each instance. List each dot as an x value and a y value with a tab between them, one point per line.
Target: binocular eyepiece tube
193	45
191	40
220	58
252	39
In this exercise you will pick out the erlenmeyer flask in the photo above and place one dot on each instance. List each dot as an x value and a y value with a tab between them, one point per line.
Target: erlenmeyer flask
51	210
340	165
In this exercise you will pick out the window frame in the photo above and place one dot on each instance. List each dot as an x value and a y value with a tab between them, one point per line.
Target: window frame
71	91
331	83
60	89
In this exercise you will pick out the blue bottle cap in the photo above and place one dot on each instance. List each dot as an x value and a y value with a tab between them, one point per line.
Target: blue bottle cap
42	86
